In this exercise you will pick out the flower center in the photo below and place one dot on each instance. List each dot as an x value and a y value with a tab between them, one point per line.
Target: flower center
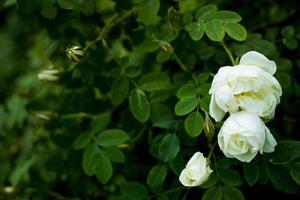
239	144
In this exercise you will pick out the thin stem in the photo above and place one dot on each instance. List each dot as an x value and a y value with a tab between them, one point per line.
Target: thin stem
104	43
198	87
228	52
111	22
212	147
134	83
78	115
176	127
216	165
185	194
182	66
168	191
139	135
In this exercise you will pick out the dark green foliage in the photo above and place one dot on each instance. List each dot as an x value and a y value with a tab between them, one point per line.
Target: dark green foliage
121	122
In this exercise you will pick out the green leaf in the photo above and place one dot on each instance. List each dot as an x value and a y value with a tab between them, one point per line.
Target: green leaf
114	154
211	181
230	193
226	16
204	103
205	11
100	122
204	88
186	105
103	168
263	176
236	31
215	30
134	191
147	11
251	172
196	30
224	163
82	140
2	118
169	147
163	56
154	145
112	137
193	124
88	158
295	172
290	43
188	89
285	152
288	31
281	178
69	4
202	77
178	163
48	8
139	105
213	193
26	6
157	176
17	113
119	90
21	171
230	177
161	116
154	81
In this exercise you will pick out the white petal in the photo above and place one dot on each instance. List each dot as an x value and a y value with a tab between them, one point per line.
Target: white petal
183	178
270	142
214	110
194	160
258	59
247	157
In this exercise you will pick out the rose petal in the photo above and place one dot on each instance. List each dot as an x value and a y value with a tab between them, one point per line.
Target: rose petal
258	59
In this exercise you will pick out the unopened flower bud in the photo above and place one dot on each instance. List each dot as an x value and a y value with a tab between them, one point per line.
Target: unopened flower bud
165	46
75	53
46	115
172	17
9	189
209	128
49	75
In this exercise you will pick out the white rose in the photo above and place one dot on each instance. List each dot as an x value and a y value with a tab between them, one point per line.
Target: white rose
243	135
249	86
197	171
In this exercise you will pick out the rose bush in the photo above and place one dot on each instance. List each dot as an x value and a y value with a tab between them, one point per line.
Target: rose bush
109	99
248	86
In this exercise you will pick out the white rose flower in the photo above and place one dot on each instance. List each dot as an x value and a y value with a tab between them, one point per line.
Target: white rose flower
243	135
249	86
196	172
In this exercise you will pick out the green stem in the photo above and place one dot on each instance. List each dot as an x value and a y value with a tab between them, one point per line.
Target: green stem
228	52
185	194
212	147
111	22
182	66
77	115
168	191
139	135
104	43
198	87
134	83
